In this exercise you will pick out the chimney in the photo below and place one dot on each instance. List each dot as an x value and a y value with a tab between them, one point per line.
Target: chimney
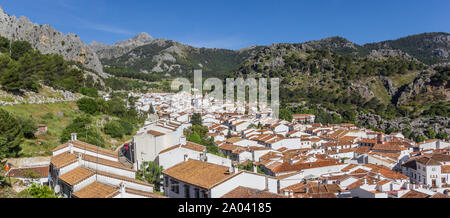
183	140
365	181
380	138
71	147
186	158
122	189
73	136
267	183
80	158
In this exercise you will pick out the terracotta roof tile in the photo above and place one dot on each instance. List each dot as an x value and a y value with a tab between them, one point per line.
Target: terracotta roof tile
202	174
89	147
244	192
97	190
76	176
23	172
415	194
63	160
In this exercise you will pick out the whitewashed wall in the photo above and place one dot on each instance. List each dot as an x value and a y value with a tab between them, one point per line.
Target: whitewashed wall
68	168
108	169
245	179
84	183
116	182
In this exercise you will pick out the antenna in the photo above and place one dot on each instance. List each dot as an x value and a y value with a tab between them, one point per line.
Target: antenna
96	166
87	127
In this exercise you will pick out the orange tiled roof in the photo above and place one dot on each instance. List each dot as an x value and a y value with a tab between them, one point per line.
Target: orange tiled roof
76	176
198	173
445	169
156	133
40	171
63	160
415	194
97	190
89	147
244	192
286	167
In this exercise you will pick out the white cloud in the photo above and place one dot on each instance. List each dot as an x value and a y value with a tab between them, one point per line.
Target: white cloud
102	27
109	29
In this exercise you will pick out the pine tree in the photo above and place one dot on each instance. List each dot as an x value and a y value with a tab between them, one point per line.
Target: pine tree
11	135
196	119
229	134
151	110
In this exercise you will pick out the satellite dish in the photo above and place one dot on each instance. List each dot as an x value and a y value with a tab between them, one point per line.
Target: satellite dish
57	189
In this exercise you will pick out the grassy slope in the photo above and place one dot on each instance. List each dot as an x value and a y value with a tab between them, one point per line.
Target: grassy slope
43	145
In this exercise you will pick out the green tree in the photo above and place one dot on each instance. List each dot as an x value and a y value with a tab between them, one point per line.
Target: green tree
151	110
286	114
88	105
91	92
430	133
11	135
39	191
19	49
151	173
442	135
114	129
28	127
4	45
116	106
196	119
195	137
229	134
118	128
260	126
420	138
11	80
248	166
78	125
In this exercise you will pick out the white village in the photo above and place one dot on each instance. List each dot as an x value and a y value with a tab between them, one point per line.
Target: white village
250	154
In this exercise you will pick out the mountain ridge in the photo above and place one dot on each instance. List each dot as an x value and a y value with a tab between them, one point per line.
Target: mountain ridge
48	40
436	54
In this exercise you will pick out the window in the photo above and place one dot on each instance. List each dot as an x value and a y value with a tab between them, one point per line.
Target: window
433	169
175	187
197	193
187	193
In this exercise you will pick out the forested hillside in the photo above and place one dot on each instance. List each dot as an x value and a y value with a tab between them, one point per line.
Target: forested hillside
24	69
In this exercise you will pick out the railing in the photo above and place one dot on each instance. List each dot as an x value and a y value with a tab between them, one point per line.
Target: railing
124	160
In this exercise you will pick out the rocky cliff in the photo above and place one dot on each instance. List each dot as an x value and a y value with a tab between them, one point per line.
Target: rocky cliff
105	51
49	41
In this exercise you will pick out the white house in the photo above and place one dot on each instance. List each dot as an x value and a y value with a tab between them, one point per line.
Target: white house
151	140
183	180
81	170
433	144
281	129
188	150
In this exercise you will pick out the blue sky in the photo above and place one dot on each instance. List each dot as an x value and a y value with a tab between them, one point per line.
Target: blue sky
235	24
